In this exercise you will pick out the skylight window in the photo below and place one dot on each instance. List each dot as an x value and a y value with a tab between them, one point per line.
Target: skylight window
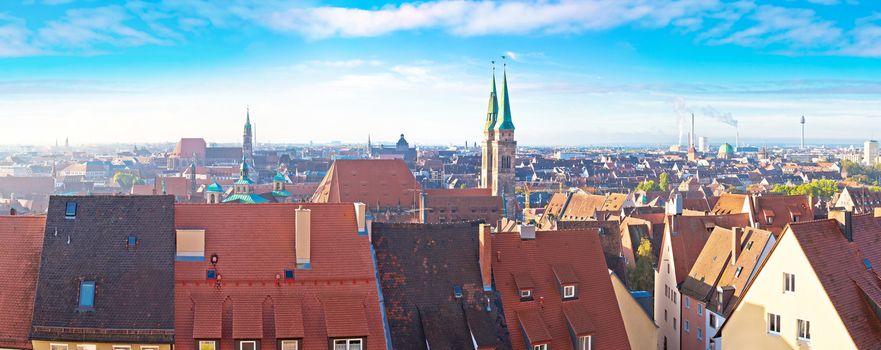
211	274
70	210
288	274
457	291
87	294
131	241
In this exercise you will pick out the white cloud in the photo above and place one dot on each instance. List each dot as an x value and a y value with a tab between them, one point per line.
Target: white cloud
15	38
88	27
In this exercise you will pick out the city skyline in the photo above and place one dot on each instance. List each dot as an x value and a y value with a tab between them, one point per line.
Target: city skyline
580	73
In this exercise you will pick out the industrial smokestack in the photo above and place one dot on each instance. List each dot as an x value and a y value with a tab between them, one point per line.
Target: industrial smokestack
736	138
691	136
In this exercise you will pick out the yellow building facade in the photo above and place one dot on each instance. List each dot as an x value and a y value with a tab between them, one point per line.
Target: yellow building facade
770	296
641	330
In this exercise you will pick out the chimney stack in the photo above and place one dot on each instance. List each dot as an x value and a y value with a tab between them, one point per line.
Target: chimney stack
527	232
845	222
736	236
485	256
303	239
361	218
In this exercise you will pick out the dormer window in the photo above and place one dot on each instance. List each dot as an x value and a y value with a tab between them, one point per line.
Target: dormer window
87	295
795	218
540	347
568	291
769	220
70	210
525	294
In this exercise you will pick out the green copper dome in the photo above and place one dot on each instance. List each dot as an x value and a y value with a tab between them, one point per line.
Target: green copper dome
726	148
278	177
214	187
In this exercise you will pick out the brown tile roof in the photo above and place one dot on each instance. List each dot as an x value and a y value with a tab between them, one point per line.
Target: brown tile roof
844	277
730	203
21	241
537	258
420	266
383	183
579	321
134	287
784	209
690	233
754	242
256	243
583	206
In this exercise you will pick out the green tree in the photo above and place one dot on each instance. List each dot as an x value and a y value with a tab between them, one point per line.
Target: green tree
818	188
642	277
648	186
664	181
126	179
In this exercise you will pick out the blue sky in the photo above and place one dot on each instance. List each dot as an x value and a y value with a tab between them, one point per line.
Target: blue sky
581	72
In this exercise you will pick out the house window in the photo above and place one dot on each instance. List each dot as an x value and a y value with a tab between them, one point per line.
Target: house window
86	347
87	295
568	291
687	325
700	334
795	218
535	347
788	283
348	344
149	347
70	210
674	323
738	271
585	343
804	330
57	346
773	323
687	303
770	220
700	309
122	347
666	290
749	245
713	320
526	294
207	345
290	345
248	345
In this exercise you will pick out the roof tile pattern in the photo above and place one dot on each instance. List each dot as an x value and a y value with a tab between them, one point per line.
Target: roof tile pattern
309	306
537	258
21	241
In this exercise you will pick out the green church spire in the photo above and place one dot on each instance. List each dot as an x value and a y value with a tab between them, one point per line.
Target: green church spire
492	112
248	117
505	123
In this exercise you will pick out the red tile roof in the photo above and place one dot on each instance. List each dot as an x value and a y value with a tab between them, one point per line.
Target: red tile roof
21	240
256	243
581	250
730	203
187	146
382	183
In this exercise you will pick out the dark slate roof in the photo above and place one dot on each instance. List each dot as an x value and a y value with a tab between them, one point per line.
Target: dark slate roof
419	265
134	293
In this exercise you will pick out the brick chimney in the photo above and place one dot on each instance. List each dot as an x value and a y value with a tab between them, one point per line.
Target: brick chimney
303	239
736	236
845	222
485	256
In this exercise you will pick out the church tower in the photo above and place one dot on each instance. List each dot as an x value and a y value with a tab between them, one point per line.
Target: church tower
499	148
247	140
492	113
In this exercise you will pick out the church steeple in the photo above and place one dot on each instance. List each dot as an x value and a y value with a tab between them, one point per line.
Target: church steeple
492	111
506	123
248	139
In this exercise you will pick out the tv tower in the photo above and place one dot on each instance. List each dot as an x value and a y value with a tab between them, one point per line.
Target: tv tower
802	132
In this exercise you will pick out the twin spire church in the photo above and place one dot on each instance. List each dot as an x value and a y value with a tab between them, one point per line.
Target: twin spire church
499	147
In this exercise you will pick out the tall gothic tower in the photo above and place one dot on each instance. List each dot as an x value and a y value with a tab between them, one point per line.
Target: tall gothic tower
500	148
248	139
492	113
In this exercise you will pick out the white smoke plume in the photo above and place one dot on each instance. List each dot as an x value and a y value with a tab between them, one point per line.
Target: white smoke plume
683	111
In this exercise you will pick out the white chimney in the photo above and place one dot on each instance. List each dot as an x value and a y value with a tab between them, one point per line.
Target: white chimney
303	240
361	217
526	231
